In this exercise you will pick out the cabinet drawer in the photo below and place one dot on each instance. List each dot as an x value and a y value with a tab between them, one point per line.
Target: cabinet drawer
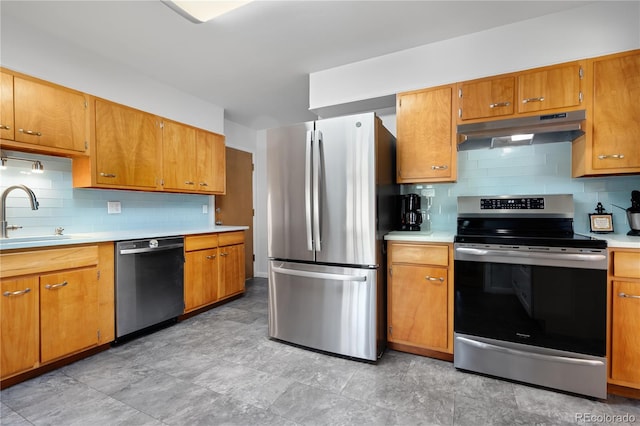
200	242
229	238
626	264
421	254
38	261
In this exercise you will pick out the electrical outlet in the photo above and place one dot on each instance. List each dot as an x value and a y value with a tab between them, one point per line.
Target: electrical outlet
114	207
205	209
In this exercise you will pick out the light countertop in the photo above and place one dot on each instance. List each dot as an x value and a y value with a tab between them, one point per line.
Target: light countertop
98	237
613	240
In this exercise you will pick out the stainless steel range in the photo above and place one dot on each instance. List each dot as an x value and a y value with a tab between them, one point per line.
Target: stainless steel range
530	294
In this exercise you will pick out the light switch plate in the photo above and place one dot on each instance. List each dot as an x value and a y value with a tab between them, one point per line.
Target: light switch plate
113	207
205	209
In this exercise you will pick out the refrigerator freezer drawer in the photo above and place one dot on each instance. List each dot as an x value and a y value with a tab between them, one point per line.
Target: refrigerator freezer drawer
332	309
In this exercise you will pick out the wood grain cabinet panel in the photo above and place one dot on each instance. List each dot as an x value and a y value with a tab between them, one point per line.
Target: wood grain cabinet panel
231	270
68	312
426	150
7	126
19	319
178	156
555	87
201	278
491	97
625	333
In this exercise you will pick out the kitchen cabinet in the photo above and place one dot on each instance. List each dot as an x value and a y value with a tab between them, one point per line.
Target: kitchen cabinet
201	271
19	316
420	298
624	275
43	117
610	145
193	160
425	145
488	97
550	88
231	264
214	268
67	309
125	149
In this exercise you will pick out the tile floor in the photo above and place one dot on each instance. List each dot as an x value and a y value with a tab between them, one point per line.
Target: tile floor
220	368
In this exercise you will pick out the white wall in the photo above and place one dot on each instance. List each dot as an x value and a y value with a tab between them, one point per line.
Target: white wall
592	30
32	52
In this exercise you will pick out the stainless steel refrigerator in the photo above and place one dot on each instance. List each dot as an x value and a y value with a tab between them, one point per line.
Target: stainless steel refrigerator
330	201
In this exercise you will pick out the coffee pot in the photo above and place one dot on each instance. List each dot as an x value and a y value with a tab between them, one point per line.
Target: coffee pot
410	214
633	214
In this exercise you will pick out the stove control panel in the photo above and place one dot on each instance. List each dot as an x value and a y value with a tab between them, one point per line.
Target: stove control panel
512	203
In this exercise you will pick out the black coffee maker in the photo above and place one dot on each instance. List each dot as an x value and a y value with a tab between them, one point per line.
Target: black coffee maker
410	215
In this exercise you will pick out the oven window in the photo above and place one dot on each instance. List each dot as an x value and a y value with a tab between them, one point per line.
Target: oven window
552	307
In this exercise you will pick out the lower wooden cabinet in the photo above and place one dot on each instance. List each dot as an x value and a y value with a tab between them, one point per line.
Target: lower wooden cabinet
624	351
214	268
55	302
420	298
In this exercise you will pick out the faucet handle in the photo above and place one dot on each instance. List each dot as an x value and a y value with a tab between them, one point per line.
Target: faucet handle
13	227
59	230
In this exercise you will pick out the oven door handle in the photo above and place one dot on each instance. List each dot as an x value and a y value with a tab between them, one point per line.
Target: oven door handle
531	255
564	359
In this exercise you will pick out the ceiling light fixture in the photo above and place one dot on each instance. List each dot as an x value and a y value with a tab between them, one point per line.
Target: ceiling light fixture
203	11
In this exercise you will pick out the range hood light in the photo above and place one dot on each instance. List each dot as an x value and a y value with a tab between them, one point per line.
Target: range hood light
522	137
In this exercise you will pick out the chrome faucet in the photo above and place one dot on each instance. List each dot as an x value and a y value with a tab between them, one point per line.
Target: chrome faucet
3	205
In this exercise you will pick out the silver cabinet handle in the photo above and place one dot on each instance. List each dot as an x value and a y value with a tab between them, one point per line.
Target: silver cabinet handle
211	256
4	127
499	104
204	184
54	286
224	254
429	278
189	182
16	293
30	132
538	99
443	167
614	156
628	296
108	175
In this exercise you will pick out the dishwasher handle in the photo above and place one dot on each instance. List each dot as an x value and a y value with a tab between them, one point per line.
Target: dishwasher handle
151	249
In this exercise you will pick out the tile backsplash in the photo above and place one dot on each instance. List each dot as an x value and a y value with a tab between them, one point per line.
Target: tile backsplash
535	169
85	210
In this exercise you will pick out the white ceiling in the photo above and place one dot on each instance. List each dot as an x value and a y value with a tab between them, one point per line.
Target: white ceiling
254	62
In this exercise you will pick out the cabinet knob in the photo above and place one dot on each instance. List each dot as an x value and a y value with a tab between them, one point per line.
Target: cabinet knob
4	127
430	278
204	184
224	254
30	132
189	182
212	256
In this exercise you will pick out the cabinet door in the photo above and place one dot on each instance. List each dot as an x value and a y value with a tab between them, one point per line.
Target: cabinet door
418	306
486	98
211	162
616	112
425	142
6	106
127	146
550	88
49	116
201	278
231	270
68	307
625	338
178	156
19	319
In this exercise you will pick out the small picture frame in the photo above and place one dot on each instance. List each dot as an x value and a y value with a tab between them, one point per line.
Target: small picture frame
601	223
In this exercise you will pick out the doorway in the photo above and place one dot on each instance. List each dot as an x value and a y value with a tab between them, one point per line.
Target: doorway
236	206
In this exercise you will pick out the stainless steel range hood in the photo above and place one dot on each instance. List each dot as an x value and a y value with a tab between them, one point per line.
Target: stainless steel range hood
562	127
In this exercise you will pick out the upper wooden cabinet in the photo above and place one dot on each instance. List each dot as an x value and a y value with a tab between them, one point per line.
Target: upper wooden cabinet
426	150
42	117
548	89
193	160
489	97
555	87
125	148
610	145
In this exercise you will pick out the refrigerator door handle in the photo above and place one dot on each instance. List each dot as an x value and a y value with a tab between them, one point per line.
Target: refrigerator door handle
320	275
307	189
317	174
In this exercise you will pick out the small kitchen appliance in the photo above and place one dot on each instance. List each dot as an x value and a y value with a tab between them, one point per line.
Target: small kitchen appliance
633	214
410	214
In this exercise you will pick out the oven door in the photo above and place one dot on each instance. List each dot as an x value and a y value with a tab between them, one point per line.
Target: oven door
545	297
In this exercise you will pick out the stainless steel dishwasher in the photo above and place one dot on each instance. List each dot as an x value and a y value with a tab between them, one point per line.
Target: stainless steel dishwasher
149	283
